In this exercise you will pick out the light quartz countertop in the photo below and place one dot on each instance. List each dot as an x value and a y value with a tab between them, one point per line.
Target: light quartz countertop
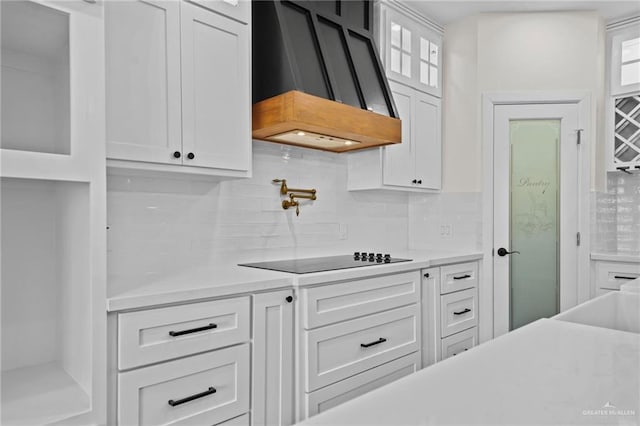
549	372
220	281
616	257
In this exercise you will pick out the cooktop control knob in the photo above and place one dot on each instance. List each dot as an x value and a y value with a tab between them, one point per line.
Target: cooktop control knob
356	255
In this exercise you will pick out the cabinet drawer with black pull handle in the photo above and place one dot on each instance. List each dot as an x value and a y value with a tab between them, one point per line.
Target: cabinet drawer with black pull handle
342	350
149	336
202	389
458	311
611	275
458	277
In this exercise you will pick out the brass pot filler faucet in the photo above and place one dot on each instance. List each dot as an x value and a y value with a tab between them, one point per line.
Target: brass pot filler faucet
294	193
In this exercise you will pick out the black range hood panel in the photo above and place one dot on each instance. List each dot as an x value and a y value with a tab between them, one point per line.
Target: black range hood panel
322	48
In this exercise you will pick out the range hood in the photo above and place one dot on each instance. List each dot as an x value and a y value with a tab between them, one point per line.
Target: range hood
317	79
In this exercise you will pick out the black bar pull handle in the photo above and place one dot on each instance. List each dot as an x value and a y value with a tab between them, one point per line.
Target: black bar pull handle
209	391
622	277
192	330
624	169
463	277
462	312
377	342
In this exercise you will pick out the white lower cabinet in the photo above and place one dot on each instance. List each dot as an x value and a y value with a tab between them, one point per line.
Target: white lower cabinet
340	358
226	361
449	310
609	276
347	389
272	373
201	389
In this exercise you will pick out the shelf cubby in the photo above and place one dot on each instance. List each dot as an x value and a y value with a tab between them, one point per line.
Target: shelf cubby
46	294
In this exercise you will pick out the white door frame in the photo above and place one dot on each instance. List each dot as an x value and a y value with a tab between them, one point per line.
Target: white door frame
496	324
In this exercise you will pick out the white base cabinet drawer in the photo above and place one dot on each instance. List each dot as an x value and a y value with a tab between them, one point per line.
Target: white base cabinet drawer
458	277
459	342
198	390
458	311
345	390
611	275
338	351
339	302
146	337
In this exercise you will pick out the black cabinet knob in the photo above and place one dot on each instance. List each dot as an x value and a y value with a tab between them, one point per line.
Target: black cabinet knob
426	275
419	181
289	299
191	156
177	154
414	181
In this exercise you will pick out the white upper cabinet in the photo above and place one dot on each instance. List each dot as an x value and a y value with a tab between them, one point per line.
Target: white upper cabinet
414	165
51	89
411	53
143	81
624	103
410	50
216	98
178	87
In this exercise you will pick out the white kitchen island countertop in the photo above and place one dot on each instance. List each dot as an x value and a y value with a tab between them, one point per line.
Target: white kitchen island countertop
220	281
550	372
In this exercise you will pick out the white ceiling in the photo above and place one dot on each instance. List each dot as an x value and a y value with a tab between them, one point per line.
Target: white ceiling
444	12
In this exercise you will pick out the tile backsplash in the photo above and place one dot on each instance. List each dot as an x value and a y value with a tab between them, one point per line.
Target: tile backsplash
160	225
616	215
447	221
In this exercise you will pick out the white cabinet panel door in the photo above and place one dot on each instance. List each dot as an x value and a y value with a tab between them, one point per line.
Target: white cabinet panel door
216	103
398	159
272	382
143	80
427	144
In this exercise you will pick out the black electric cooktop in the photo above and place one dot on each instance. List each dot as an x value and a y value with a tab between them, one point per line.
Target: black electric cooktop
328	263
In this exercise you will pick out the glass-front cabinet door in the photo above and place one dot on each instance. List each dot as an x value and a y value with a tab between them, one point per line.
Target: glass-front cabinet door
52	69
410	51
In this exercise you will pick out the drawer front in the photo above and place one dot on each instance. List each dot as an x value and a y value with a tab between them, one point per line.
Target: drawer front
154	335
339	302
242	420
459	342
202	389
240	10
338	351
611	275
458	311
345	390
458	277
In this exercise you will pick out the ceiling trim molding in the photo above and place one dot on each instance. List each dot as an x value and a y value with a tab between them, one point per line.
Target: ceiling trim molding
403	8
622	23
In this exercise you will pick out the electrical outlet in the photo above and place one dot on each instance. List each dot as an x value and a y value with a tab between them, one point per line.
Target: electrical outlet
446	231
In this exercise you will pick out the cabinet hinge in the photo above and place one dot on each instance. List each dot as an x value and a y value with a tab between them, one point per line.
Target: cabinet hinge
578	239
579	138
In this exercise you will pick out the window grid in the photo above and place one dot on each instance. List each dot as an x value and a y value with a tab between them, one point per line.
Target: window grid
400	50
428	62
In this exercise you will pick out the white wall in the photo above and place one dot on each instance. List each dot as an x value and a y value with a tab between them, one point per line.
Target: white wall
556	51
160	225
515	52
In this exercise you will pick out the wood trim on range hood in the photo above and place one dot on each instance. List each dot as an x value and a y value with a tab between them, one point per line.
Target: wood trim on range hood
283	118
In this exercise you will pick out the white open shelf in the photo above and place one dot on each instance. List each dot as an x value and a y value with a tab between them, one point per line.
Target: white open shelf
35	78
46	301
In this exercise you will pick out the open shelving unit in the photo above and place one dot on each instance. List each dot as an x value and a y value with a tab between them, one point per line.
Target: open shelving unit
52	213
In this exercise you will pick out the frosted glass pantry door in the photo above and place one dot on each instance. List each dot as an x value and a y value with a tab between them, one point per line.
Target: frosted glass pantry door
536	212
533	219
